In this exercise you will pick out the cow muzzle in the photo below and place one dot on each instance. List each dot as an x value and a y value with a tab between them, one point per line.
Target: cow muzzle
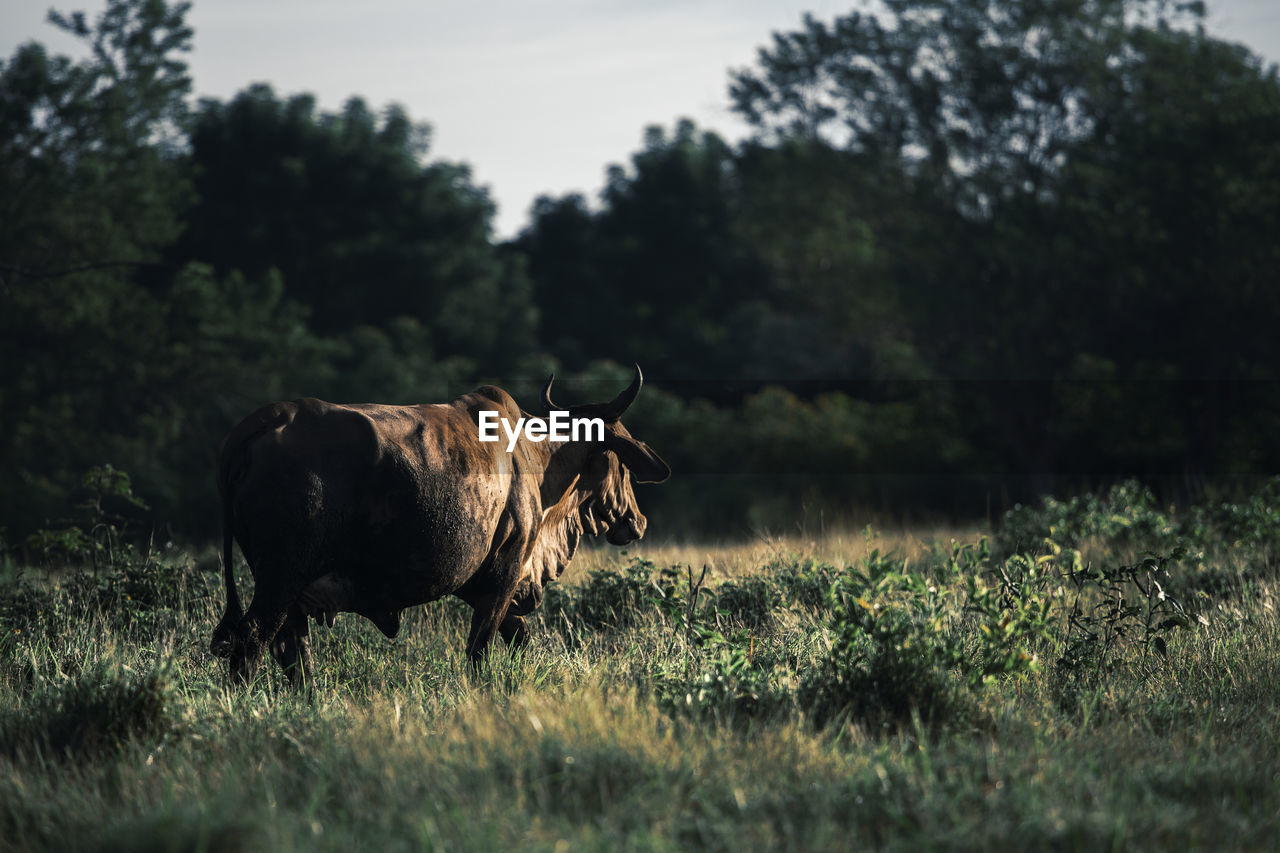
627	529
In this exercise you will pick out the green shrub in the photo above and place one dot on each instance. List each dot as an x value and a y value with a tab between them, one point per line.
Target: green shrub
903	646
92	714
137	584
1116	609
807	583
106	497
612	599
143	590
1012	615
734	678
1252	524
891	655
750	602
1126	515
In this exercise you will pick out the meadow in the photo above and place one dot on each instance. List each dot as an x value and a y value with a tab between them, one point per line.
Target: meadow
1097	673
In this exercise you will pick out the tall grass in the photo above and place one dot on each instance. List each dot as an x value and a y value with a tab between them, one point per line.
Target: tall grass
661	707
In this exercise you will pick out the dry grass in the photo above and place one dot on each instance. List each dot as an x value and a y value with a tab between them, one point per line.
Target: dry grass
738	559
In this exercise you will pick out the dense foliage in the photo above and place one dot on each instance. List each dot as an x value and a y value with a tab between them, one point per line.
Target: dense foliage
974	252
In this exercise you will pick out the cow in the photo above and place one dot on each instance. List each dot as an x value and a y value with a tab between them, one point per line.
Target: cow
372	509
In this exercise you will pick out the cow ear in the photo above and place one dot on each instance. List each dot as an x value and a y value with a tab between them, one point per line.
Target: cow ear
645	465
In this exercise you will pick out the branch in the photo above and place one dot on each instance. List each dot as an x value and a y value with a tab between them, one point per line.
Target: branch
39	274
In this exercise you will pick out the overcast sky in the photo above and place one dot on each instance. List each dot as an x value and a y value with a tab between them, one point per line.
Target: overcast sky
536	97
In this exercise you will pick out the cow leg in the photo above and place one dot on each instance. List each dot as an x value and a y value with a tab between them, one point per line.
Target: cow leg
490	615
513	631
490	591
221	643
292	647
265	617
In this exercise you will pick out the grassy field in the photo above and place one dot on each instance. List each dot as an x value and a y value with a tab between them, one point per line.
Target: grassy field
897	690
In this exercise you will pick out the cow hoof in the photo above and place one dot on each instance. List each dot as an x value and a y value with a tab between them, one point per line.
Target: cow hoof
220	648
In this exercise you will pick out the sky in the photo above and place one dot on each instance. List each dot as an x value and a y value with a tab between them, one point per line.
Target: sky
537	98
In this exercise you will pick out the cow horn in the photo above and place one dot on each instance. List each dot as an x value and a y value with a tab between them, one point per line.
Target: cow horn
620	403
546	395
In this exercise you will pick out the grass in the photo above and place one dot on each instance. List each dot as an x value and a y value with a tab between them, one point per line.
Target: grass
667	722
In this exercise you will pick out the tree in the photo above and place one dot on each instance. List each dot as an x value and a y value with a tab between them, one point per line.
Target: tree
360	229
659	274
983	98
90	150
1177	197
561	248
91	189
1080	182
112	352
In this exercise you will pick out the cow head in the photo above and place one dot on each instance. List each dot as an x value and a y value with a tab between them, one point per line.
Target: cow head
607	467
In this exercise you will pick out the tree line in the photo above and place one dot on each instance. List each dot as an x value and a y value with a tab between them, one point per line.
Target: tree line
974	250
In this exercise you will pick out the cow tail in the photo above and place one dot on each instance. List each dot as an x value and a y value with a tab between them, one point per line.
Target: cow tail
227	468
220	646
234	611
232	464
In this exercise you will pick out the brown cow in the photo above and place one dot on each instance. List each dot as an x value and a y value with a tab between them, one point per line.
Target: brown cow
371	509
